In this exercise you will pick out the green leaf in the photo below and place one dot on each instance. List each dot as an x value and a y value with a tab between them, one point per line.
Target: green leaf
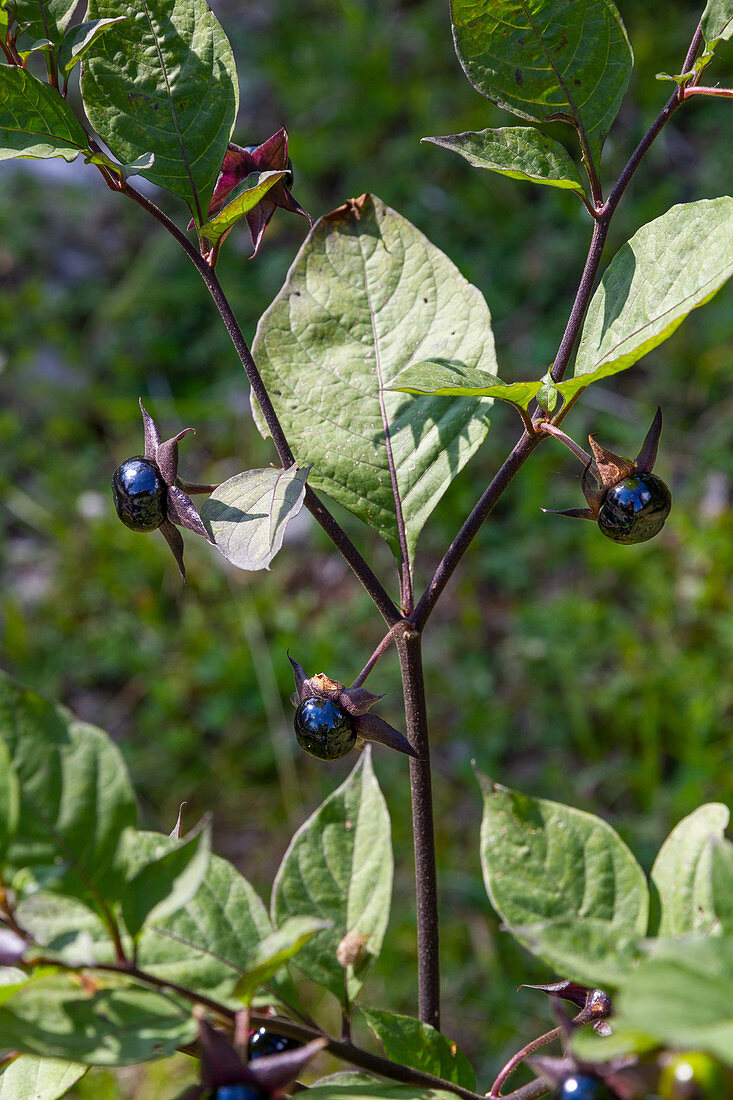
99	1020
547	393
277	949
412	1043
32	1078
681	996
722	883
75	796
243	198
366	296
164	80
35	121
717	21
247	515
449	378
669	267
547	59
564	883
682	872
339	867
42	18
125	170
161	875
78	39
519	152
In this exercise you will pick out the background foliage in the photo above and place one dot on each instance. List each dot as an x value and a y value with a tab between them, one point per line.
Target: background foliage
555	653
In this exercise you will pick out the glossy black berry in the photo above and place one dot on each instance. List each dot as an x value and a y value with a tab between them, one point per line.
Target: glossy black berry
139	493
635	509
324	729
263	1042
581	1087
239	1092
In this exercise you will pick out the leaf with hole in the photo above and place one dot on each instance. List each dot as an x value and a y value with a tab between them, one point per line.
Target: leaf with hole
367	296
248	514
564	883
670	266
339	868
35	121
682	871
164	81
518	152
545	60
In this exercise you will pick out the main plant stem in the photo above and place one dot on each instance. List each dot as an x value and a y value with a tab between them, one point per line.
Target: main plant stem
409	647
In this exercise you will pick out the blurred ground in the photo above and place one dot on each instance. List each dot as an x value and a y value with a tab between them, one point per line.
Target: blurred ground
565	665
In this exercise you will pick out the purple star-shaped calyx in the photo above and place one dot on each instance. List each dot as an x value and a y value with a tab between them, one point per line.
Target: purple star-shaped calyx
239	162
179	508
267	1077
604	469
356	701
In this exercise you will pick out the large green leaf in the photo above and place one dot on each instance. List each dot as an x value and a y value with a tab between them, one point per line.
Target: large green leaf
42	18
366	296
78	40
31	1078
670	266
247	515
717	21
519	152
34	119
412	1043
75	796
564	883
100	1021
161	874
450	379
339	868
547	59
164	82
682	872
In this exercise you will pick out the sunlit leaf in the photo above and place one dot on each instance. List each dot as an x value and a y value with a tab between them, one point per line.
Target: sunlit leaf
277	949
248	514
339	868
670	266
441	377
42	18
79	38
564	883
412	1043
35	121
366	296
717	21
547	59
243	198
164	81
161	875
519	152
682	872
31	1078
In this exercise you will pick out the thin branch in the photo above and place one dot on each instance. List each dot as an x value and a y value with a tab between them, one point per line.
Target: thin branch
529	1092
518	1058
578	451
315	506
697	89
379	652
426	887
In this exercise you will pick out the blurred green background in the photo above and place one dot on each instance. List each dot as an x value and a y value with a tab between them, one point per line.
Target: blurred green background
563	664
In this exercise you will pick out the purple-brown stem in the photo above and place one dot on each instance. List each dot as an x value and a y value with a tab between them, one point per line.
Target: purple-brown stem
518	1058
379	652
551	429
724	93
